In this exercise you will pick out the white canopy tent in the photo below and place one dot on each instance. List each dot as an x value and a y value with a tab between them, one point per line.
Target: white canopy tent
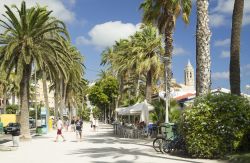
141	109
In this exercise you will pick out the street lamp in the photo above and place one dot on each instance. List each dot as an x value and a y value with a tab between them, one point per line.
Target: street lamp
164	60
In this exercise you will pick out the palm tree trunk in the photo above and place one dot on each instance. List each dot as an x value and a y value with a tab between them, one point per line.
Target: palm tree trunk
13	99
203	61
64	95
24	98
61	98
121	88
4	99
56	99
75	108
138	87
45	94
235	47
149	86
70	111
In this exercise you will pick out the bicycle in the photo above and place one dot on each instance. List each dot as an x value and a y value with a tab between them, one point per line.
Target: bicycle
160	143
177	143
169	141
160	140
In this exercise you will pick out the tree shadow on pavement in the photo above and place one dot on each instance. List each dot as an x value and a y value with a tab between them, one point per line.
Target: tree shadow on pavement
120	161
119	152
119	141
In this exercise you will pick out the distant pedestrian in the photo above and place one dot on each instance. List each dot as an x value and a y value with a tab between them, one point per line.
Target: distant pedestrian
95	123
78	124
67	125
59	129
72	124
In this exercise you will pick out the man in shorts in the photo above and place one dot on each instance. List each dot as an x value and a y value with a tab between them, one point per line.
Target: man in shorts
59	125
78	124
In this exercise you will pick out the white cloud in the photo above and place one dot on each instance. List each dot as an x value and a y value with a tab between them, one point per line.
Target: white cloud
81	40
216	20
59	9
245	70
72	2
246	19
225	42
245	67
104	35
224	6
179	51
220	75
224	10
225	54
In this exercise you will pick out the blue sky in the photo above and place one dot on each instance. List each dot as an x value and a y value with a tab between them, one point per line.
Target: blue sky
95	24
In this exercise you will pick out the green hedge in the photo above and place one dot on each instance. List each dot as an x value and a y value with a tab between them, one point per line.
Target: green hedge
216	125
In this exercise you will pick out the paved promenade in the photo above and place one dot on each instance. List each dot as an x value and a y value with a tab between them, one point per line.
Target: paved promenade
97	147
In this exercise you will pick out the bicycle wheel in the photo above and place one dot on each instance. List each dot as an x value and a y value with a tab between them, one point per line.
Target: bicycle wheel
166	146
157	144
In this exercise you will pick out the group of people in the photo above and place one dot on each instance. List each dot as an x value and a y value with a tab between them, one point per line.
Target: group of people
76	126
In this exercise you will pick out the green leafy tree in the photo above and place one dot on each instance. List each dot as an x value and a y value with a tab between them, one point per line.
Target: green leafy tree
163	14
12	109
216	125
25	41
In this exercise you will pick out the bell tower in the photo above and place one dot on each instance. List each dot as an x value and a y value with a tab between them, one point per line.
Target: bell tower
189	74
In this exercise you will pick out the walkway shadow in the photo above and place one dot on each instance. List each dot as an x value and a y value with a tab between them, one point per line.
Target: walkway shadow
2	141
118	152
119	141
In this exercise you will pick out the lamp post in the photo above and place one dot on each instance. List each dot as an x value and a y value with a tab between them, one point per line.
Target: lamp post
164	60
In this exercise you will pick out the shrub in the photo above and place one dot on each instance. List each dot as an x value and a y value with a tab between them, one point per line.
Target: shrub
12	109
216	125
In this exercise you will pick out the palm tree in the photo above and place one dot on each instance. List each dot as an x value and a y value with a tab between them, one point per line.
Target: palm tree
143	58
75	81
235	47
23	42
203	61
164	13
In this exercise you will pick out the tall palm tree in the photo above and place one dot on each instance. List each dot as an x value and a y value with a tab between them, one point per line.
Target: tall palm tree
164	13
203	61
23	42
235	47
145	46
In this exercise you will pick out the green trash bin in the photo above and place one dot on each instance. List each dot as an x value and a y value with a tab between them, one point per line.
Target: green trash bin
167	130
1	128
39	130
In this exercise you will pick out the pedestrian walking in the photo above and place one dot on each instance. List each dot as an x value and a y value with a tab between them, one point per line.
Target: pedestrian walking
78	124
59	125
72	124
95	123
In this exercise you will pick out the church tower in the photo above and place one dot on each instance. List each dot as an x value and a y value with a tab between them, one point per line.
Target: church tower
189	74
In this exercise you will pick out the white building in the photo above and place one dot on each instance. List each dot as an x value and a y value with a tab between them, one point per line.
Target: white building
181	89
40	94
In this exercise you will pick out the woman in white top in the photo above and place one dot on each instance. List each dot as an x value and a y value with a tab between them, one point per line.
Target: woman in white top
59	129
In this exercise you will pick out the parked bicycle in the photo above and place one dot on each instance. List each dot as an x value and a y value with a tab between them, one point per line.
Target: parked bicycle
168	140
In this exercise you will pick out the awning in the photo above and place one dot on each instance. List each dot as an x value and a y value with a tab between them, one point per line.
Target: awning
134	109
